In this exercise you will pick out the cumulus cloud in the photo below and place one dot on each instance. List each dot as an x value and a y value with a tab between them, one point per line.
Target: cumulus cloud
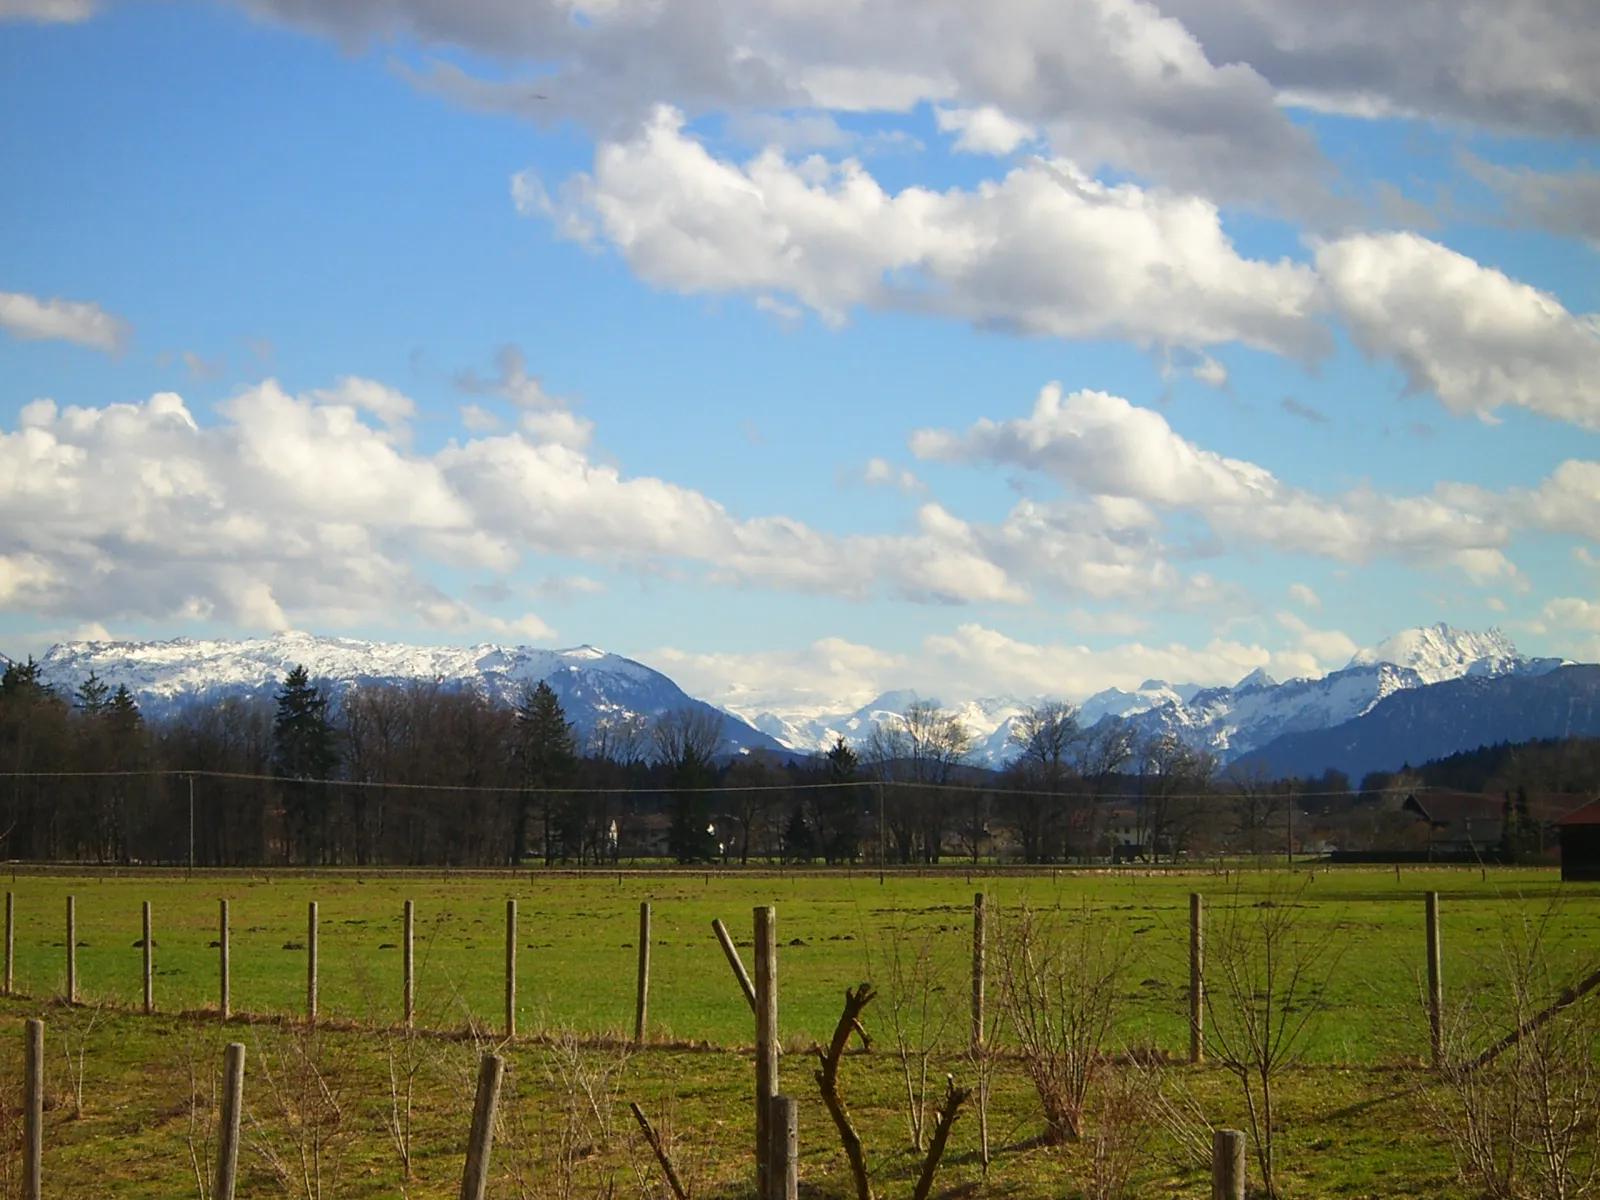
32	319
1305	594
1045	250
1467	333
1101	445
290	508
984	130
1112	82
1572	614
1522	65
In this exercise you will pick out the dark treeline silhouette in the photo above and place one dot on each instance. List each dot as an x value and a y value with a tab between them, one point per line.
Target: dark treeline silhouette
427	773
412	774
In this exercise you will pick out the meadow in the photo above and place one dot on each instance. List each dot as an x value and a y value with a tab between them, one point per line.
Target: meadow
1349	1127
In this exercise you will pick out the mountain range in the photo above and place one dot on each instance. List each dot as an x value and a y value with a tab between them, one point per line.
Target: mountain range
1419	675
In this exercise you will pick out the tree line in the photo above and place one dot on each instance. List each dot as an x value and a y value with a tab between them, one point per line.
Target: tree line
425	772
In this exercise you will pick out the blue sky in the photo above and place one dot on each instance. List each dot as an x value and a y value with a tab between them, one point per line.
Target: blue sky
804	351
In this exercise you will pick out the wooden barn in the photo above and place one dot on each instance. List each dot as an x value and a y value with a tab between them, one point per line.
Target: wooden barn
1580	843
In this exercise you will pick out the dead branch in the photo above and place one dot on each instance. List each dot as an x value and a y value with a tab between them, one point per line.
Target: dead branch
1566	999
949	1109
654	1139
855	1000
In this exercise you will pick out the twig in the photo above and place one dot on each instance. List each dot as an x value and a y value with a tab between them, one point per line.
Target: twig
954	1098
855	1000
654	1139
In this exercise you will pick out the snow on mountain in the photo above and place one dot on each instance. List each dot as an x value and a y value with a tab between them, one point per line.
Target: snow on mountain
1233	721
1440	652
1229	721
165	676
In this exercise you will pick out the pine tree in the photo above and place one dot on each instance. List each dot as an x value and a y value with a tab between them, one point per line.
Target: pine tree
548	752
799	842
304	752
838	808
92	695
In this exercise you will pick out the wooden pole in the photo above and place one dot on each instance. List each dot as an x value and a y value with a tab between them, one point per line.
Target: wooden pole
72	951
1227	1165
33	1112
1197	977
11	940
224	1005
475	1175
766	983
784	1149
1435	982
641	1008
228	1123
732	953
311	962
511	973
149	962
662	1157
978	954
408	996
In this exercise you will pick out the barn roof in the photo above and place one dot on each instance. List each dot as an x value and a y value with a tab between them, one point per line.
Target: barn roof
1589	814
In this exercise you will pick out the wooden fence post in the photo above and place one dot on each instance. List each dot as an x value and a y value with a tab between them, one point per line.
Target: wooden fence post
33	1112
766	982
511	972
11	940
408	996
732	953
783	1149
1227	1165
979	951
1435	982
72	951
149	963
641	1008
228	1121
224	1001
1197	977
475	1175
311	962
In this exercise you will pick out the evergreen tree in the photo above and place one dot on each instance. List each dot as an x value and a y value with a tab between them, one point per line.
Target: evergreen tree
92	695
799	842
304	752
838	808
548	753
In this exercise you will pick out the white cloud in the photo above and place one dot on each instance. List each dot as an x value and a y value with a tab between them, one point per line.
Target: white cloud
31	319
1103	446
47	10
1524	65
983	130
477	419
1304	594
1467	333
1572	614
1045	250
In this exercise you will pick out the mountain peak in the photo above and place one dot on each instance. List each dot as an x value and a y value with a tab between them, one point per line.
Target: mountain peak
1440	651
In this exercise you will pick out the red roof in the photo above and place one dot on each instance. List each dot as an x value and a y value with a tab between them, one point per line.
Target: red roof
1589	814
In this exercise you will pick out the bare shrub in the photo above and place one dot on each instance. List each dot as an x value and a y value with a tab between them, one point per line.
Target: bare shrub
557	1145
1520	1117
305	1134
920	1016
1119	1135
1060	974
1268	974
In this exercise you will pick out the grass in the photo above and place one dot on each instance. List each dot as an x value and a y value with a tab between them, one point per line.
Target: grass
576	973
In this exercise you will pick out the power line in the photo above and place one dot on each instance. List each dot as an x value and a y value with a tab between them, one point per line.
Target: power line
515	789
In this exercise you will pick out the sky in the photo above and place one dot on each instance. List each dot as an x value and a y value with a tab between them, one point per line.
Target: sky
805	350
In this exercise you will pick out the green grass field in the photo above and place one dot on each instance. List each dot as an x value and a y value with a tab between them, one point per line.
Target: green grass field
576	973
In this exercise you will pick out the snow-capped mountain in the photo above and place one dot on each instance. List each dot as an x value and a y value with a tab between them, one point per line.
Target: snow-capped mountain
1234	721
164	676
1229	721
